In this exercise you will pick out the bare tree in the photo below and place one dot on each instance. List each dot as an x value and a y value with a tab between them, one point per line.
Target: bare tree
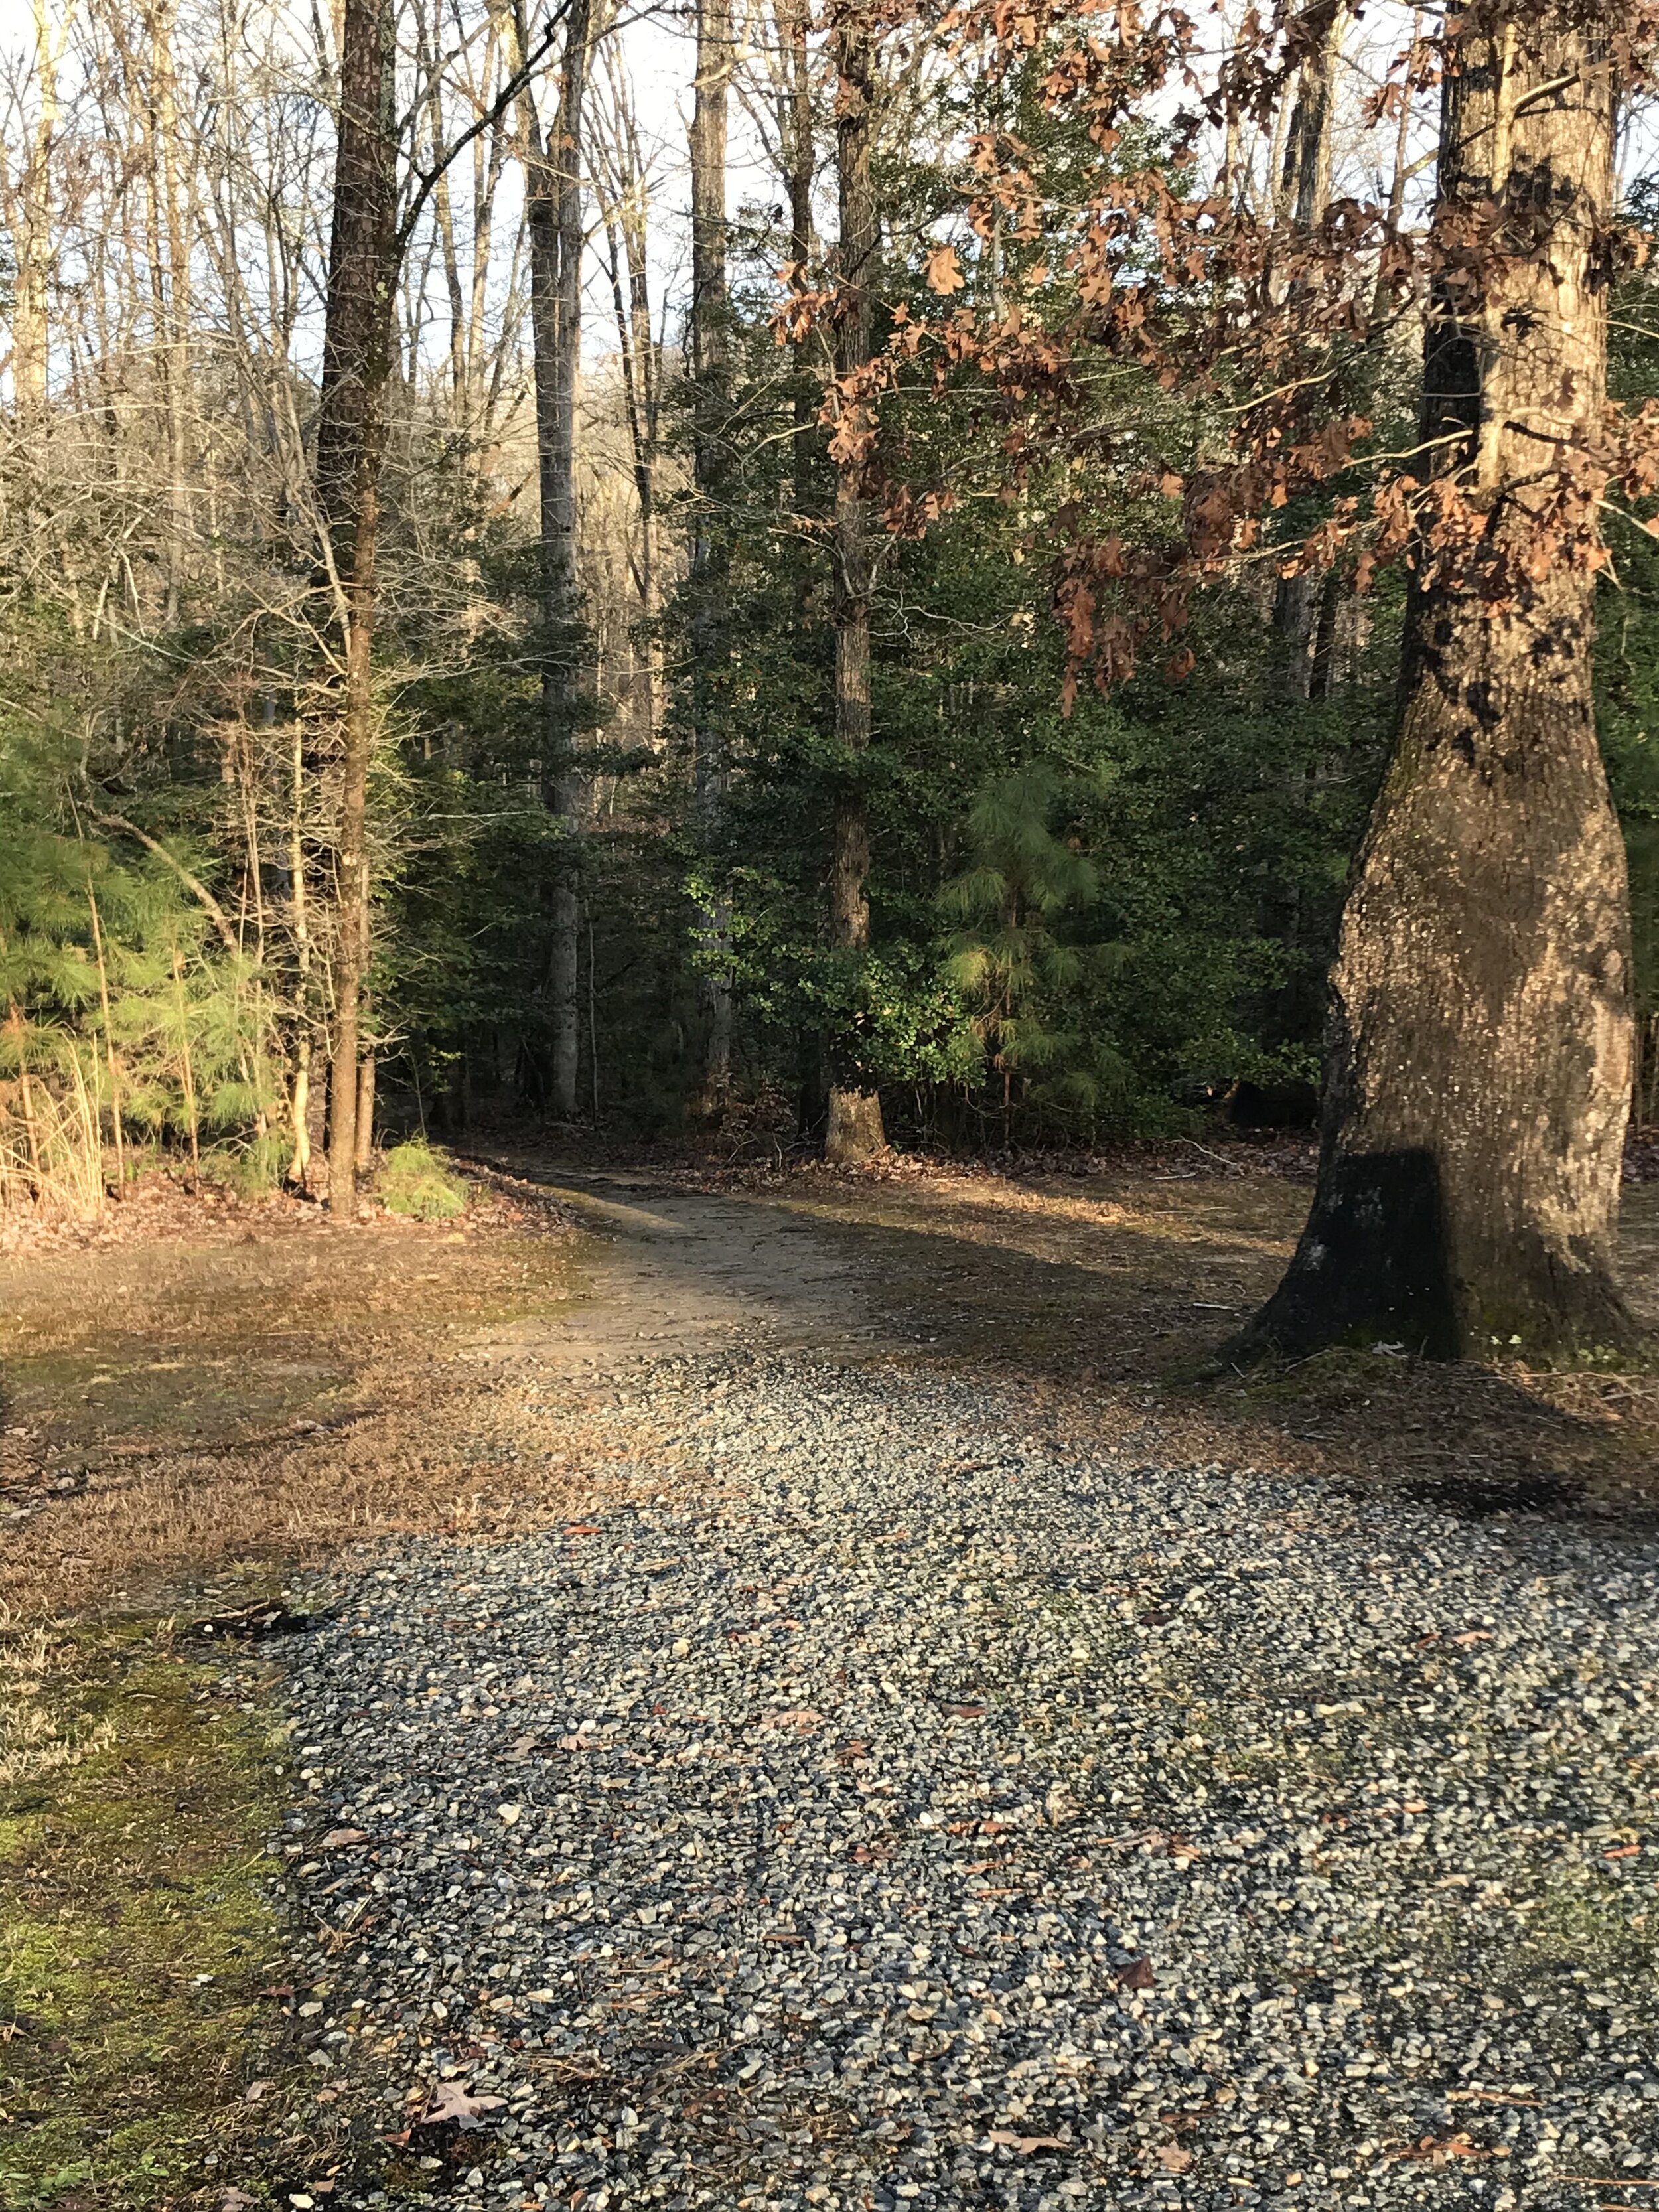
27	201
553	178
854	1131
351	430
710	369
626	225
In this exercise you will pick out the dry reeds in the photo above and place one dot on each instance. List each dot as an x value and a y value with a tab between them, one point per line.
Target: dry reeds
51	1150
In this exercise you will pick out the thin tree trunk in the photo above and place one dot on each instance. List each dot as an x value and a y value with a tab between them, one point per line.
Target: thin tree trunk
1304	185
1304	177
33	238
635	403
797	147
171	289
647	381
300	923
29	217
1478	1076
627	252
116	1129
365	1121
854	1131
710	365
554	204
350	445
795	137
1397	183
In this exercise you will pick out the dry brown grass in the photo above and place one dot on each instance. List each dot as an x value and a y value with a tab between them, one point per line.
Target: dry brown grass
202	1386
214	1384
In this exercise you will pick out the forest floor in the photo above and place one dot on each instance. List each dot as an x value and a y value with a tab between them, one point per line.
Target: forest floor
1019	1576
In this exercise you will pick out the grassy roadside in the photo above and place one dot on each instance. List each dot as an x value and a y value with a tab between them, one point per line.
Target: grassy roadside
197	1398
136	1931
206	1383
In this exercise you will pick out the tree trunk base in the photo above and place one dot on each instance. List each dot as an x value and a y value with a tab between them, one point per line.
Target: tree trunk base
1374	1269
853	1132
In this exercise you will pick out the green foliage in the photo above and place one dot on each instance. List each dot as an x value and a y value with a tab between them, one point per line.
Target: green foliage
121	1013
1028	982
1084	922
415	1182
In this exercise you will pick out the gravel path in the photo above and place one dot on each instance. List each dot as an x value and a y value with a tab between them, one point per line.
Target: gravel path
881	1801
904	1811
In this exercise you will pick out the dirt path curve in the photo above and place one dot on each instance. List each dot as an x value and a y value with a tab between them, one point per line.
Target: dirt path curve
672	1273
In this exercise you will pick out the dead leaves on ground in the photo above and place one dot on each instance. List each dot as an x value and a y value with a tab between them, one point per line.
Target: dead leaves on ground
1438	2151
446	2105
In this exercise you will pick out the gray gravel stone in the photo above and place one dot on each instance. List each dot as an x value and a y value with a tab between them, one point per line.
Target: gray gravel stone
899	1811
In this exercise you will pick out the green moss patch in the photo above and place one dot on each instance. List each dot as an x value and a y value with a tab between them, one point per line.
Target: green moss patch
136	1929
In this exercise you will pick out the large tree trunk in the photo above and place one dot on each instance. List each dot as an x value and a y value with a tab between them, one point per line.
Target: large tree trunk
1479	1058
710	365
554	199
854	1131
358	341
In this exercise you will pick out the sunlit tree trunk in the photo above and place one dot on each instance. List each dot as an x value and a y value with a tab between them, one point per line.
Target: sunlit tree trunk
554	211
626	223
30	217
853	1132
1478	1076
170	291
357	344
710	348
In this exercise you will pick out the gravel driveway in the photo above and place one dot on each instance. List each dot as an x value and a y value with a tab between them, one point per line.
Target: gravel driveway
903	1811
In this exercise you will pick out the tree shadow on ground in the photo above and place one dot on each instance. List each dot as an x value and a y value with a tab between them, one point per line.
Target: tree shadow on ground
1112	1294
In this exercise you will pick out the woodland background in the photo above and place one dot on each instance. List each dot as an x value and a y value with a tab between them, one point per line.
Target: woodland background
1085	924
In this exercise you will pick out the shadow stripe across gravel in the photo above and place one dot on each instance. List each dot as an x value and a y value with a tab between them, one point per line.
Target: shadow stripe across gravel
905	1813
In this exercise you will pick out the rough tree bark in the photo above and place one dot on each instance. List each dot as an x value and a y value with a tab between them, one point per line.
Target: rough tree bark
797	156
854	1131
358	341
1478	1055
710	368
553	178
